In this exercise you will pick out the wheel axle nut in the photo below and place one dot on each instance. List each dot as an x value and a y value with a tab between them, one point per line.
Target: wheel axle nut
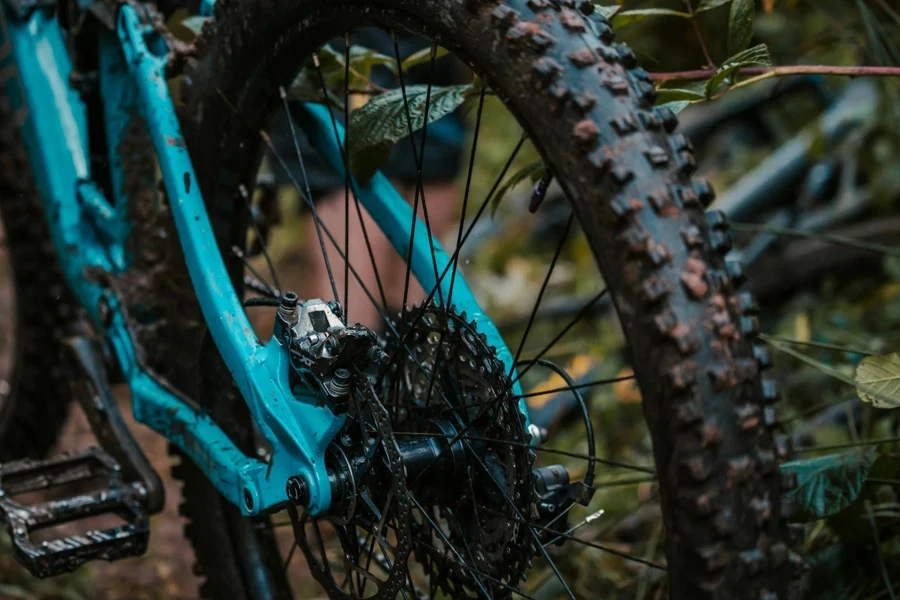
298	491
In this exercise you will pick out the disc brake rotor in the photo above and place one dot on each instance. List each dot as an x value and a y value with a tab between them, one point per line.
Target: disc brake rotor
362	550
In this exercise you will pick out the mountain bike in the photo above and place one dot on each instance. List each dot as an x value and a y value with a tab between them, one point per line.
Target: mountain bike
401	462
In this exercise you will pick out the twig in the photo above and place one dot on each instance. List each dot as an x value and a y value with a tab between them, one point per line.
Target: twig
690	8
766	72
830	238
884	574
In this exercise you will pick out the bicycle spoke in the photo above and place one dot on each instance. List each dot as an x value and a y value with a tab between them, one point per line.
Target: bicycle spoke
527	524
337	247
587	521
260	287
588	543
465	203
344	153
317	222
585	310
245	196
454	257
540	296
243	258
349	180
446	540
419	159
571	388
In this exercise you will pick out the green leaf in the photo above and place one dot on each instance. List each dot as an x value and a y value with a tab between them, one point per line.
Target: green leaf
630	16
665	95
382	121
830	371
709	5
195	23
757	55
878	380
740	25
362	60
532	171
606	12
691	91
827	484
421	57
676	106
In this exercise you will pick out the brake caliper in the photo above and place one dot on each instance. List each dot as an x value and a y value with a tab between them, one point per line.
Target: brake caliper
322	348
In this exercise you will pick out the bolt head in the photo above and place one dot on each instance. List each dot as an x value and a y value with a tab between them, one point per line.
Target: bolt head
298	491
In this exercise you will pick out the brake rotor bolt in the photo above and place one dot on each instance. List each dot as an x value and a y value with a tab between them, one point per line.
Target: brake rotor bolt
298	491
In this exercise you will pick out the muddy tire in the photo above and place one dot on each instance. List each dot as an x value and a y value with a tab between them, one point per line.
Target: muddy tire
33	413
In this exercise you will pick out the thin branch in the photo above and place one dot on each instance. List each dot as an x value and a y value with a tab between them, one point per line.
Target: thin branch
768	72
709	60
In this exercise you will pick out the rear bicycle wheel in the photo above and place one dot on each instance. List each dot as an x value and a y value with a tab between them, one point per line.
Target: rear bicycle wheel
587	109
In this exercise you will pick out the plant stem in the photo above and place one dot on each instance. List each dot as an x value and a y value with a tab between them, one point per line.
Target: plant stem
767	72
709	60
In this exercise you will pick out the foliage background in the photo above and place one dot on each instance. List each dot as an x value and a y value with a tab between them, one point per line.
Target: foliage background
849	537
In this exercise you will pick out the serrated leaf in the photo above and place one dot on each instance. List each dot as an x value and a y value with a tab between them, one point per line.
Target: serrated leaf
532	171
607	12
195	23
878	380
827	484
740	25
382	121
630	16
422	56
755	56
709	5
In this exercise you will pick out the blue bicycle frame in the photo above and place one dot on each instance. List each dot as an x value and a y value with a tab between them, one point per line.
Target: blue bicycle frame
90	232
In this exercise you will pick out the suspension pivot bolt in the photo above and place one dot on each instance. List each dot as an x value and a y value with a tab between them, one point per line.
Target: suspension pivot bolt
298	491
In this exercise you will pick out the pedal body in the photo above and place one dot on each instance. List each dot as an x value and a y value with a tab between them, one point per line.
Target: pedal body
110	496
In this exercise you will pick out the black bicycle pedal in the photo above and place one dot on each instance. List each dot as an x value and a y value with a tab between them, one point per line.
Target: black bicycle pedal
100	494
